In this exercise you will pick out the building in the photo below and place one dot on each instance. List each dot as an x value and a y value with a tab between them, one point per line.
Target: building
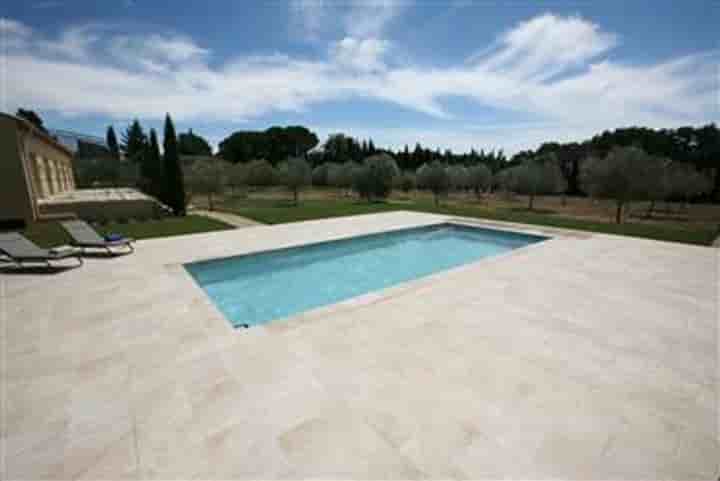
33	166
37	182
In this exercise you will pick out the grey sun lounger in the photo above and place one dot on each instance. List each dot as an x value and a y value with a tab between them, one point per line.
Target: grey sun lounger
18	250
85	237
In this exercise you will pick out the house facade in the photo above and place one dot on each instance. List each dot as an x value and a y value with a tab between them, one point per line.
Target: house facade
33	166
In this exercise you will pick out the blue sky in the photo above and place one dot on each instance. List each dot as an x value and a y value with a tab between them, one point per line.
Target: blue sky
448	74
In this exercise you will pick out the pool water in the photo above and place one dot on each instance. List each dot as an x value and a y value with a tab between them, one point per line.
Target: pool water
257	288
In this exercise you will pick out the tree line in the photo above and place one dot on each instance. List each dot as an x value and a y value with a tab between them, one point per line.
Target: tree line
698	147
136	160
626	164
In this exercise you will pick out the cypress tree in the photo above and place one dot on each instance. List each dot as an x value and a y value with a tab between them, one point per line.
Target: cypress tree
112	143
156	169
175	188
134	142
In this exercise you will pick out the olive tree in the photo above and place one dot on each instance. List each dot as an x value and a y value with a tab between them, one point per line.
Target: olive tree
435	178
406	181
237	177
537	176
479	178
341	175
459	178
295	174
506	180
374	179
206	176
685	182
261	173
320	174
626	174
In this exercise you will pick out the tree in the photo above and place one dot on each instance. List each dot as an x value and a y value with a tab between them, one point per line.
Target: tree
112	143
539	175
685	182
406	181
320	174
434	177
505	180
341	175
191	144
237	176
274	144
175	187
261	173
624	175
154	171
104	172
207	176
479	178
658	186
295	174
374	179
134	142
338	148
32	117
459	178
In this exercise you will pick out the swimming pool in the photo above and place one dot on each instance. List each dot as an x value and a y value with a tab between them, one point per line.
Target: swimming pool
257	288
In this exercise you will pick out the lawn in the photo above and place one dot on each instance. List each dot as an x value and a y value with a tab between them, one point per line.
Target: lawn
276	211
48	234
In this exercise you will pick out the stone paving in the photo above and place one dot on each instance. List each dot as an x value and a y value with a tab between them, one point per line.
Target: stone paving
583	357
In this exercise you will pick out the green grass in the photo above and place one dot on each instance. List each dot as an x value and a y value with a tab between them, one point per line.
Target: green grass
275	212
49	234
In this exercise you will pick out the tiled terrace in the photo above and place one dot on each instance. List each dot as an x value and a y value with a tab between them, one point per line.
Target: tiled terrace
585	356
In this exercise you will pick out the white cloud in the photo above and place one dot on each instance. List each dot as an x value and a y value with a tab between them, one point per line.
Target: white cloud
13	34
361	54
75	42
358	18
369	18
549	68
545	45
310	15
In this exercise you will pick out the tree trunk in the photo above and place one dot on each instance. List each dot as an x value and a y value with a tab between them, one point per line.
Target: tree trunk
563	198
651	208
619	213
211	206
295	196
437	199
531	201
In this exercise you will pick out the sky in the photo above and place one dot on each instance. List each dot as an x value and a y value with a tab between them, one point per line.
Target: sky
455	74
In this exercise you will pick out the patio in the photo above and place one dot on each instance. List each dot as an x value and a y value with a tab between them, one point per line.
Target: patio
585	356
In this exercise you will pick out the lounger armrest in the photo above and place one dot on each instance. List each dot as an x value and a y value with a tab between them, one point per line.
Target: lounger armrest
63	251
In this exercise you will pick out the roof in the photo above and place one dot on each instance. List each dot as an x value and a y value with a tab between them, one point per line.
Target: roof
30	127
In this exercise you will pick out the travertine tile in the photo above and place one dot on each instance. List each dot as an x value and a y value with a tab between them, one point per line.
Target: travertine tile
587	357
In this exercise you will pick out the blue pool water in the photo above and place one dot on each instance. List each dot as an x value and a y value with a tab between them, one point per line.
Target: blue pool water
257	288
